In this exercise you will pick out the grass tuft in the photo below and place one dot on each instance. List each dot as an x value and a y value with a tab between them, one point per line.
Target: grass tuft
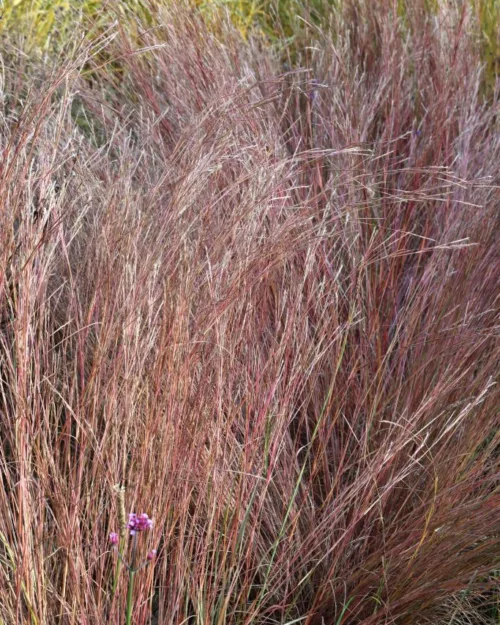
263	300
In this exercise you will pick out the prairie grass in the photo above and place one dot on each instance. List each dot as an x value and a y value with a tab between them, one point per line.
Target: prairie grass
266	302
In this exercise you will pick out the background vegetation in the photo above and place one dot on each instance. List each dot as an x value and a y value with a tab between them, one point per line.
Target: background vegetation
249	270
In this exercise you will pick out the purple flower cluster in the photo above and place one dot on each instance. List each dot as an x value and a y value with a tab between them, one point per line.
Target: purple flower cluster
151	555
139	523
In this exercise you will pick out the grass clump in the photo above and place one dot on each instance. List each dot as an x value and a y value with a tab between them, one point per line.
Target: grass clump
264	301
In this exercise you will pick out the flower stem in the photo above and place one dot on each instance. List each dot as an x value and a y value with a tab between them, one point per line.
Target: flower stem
131	574
130	596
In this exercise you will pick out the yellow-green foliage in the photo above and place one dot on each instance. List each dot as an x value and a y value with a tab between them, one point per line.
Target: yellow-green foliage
489	18
46	24
36	20
244	13
275	18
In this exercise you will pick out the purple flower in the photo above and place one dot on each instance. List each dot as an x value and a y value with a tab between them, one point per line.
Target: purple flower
151	555
114	538
314	90
139	523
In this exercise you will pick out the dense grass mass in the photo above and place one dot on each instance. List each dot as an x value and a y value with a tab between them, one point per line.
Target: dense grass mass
257	286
